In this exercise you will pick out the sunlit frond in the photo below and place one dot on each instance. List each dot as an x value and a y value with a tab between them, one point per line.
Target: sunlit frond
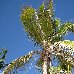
65	51
58	70
48	4
37	24
56	24
45	21
67	44
65	28
41	8
16	64
29	21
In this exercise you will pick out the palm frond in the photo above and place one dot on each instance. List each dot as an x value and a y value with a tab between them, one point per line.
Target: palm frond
41	8
65	51
45	21
56	36
28	18
67	43
19	62
61	30
37	24
67	27
58	70
2	58
56	25
48	4
39	63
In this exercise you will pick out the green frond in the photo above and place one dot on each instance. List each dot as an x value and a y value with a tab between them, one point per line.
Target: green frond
46	25
41	8
56	38
39	63
68	26
16	64
38	25
57	23
63	63
27	14
45	21
58	70
61	30
28	18
2	58
71	28
54	70
49	7
4	52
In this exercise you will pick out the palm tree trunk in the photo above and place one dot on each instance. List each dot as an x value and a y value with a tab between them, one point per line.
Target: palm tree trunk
44	71
46	63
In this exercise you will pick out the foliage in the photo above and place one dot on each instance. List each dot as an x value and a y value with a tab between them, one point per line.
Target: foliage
2	58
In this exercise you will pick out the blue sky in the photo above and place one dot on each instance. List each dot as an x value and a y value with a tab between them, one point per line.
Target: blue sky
12	35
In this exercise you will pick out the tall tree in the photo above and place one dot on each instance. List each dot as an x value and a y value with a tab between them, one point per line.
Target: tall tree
48	32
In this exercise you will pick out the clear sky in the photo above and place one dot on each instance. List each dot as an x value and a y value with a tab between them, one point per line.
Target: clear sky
12	35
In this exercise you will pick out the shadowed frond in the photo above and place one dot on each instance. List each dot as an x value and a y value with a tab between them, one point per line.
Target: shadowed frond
61	30
2	58
56	36
16	64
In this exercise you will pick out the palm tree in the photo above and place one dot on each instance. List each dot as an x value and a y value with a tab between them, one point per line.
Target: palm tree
48	32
